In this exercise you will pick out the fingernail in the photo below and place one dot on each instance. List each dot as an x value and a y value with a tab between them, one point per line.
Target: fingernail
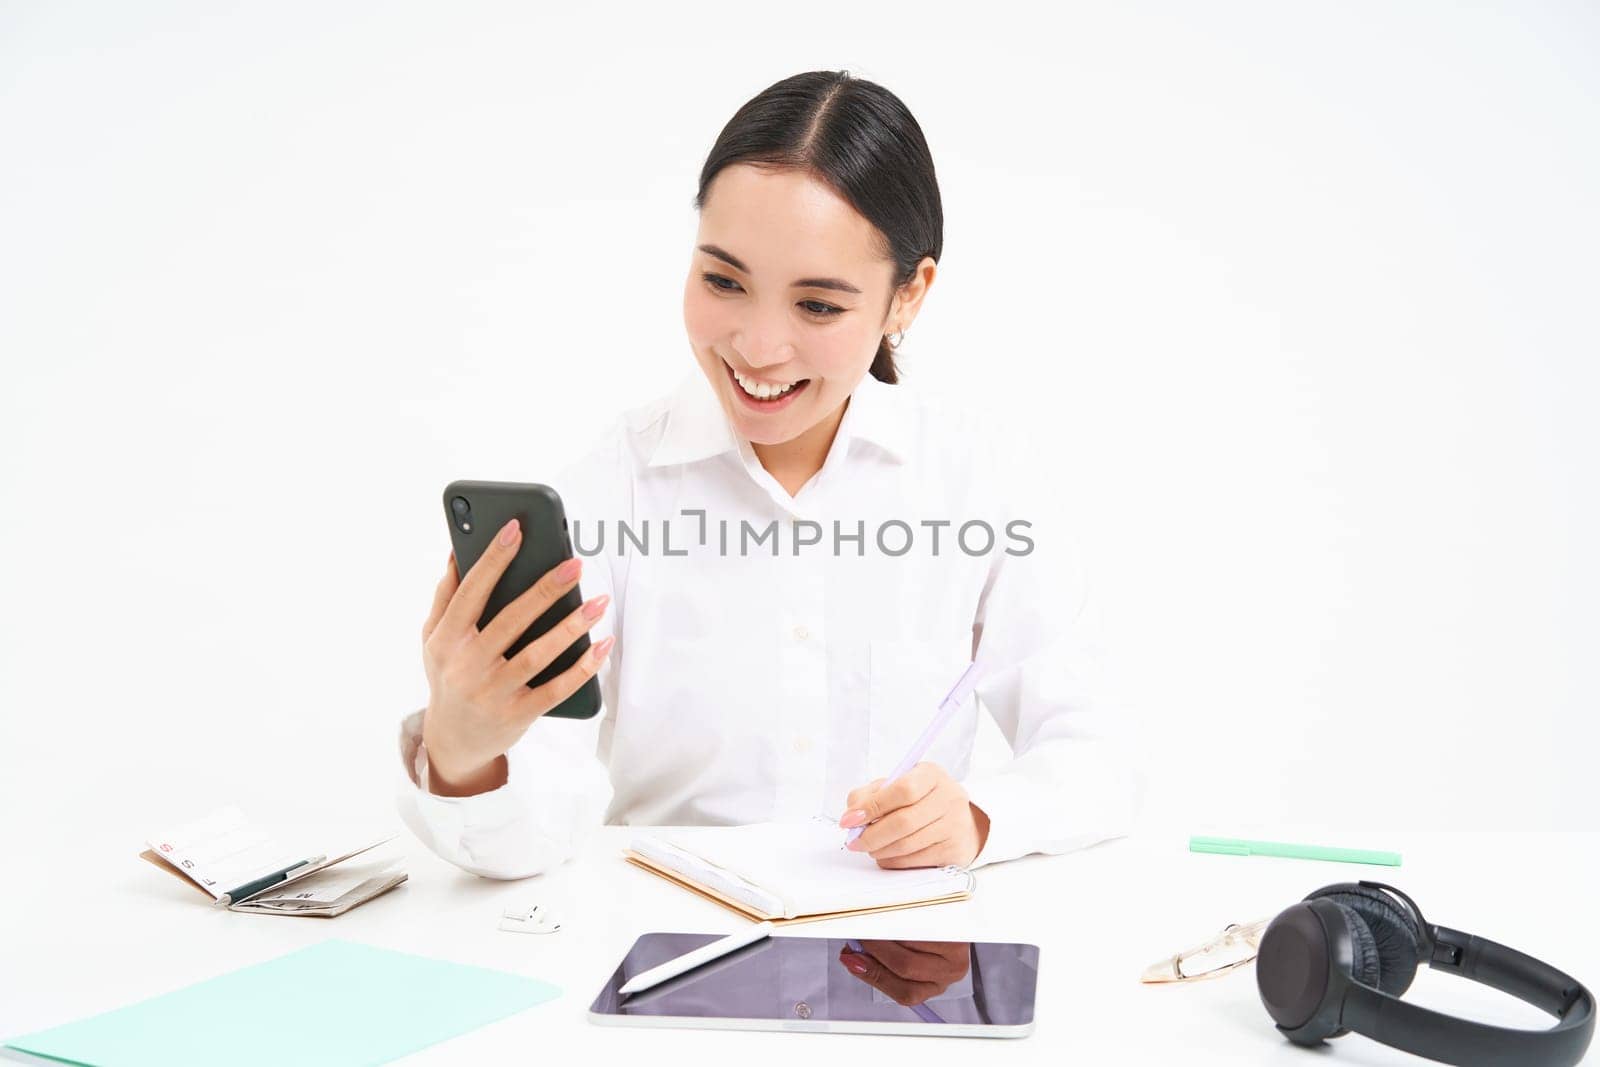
853	818
508	532
856	964
602	649
569	570
593	608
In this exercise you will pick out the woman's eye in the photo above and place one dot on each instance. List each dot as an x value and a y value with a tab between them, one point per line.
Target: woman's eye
813	307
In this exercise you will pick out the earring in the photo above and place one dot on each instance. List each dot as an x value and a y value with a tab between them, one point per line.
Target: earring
895	338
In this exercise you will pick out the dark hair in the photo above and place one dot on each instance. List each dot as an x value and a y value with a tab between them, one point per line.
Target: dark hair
857	137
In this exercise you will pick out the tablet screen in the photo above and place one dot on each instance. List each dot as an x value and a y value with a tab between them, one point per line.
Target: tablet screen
819	983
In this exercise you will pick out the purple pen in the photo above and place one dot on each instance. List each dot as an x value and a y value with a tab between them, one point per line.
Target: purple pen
951	703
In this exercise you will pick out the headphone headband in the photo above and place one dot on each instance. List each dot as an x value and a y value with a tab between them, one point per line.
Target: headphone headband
1450	1039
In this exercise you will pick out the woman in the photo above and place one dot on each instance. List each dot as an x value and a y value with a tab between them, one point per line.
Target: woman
820	573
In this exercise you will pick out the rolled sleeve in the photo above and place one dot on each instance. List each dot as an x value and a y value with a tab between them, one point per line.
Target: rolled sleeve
554	795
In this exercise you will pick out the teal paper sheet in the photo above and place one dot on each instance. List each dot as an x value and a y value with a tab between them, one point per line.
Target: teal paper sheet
337	1002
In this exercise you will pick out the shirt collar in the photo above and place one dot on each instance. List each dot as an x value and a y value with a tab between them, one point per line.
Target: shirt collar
698	429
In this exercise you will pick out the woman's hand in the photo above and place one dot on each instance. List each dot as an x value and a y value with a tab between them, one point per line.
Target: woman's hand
909	972
921	819
479	703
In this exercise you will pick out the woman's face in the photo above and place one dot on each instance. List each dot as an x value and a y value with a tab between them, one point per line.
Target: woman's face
788	285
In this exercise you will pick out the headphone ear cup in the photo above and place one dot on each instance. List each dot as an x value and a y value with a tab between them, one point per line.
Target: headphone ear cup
1293	967
1292	972
1365	966
1393	930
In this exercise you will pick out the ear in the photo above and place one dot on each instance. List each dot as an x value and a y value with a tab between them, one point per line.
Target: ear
908	299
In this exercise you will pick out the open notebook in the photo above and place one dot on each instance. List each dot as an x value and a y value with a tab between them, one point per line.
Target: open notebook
240	867
789	872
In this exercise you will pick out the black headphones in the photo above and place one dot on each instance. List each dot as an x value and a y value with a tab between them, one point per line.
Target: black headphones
1339	959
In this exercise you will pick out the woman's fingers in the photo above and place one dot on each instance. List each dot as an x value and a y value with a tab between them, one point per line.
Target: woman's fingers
544	649
904	791
860	793
886	807
466	606
892	827
875	974
441	597
513	620
936	855
939	962
957	955
535	702
905	962
916	820
930	833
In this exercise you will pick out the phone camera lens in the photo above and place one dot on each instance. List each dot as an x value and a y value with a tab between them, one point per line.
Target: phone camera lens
462	511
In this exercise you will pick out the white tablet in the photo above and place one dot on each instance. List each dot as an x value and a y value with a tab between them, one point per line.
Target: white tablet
933	988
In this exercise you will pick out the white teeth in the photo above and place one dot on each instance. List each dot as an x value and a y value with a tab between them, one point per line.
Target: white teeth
761	390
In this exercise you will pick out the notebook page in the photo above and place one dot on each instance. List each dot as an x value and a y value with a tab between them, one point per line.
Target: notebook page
326	886
710	875
342	891
313	870
804	865
222	851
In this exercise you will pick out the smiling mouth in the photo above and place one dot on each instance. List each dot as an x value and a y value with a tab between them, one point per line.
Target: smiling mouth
760	392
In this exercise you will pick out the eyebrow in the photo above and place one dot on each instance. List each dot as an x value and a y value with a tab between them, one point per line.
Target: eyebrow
804	283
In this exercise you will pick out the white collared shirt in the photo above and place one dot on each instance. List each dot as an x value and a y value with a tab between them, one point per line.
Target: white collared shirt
748	686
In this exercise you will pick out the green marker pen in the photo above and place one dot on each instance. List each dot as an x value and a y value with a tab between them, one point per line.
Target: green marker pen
1228	846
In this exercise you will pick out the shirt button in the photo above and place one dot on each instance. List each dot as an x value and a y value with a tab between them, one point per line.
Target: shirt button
803	1010
801	633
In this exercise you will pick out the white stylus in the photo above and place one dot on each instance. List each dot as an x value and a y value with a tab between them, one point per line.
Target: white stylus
690	960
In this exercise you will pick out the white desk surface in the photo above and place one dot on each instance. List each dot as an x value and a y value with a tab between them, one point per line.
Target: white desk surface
127	931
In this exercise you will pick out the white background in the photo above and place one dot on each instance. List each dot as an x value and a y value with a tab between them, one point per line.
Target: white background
1298	301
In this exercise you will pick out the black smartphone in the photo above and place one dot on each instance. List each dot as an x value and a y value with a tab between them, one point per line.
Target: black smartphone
476	511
